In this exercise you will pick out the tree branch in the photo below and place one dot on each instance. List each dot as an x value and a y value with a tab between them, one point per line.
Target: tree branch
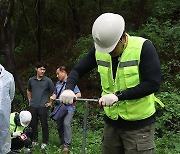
29	21
9	12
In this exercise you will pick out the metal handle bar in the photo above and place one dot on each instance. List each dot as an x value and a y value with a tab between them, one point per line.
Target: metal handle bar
86	99
83	100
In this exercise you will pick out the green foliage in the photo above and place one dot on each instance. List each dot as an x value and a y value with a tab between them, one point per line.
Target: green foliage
163	29
162	34
168	144
165	35
83	45
93	140
168	9
95	115
169	119
18	104
19	48
170	72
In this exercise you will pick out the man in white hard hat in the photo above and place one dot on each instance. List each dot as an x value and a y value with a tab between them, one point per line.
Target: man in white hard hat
130	73
7	90
20	137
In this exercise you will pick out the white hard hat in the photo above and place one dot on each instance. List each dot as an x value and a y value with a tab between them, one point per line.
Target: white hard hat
107	31
25	118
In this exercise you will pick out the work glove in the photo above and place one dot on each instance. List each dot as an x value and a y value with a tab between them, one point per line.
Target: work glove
108	100
23	137
67	97
17	134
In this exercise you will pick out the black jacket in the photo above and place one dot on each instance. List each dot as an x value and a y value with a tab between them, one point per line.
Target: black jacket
150	78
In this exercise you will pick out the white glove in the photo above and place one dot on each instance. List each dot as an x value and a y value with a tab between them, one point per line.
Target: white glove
108	100
23	137
67	96
16	134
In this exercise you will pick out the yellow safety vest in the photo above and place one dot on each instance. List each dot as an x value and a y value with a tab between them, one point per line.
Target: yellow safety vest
13	126
127	76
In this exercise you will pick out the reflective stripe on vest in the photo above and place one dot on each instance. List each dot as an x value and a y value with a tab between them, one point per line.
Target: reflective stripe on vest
127	76
103	63
128	63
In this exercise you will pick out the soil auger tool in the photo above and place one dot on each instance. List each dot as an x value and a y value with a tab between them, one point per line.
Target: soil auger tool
85	119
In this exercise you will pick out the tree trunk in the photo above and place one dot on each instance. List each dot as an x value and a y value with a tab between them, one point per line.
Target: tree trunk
72	5
38	28
140	13
7	44
100	3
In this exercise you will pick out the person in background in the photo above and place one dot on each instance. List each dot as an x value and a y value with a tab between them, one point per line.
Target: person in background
64	124
7	91
130	74
39	89
20	137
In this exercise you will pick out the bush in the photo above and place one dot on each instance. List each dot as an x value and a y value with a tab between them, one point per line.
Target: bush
18	103
168	144
169	117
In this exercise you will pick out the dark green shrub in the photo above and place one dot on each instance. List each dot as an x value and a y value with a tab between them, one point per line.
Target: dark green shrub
169	117
18	103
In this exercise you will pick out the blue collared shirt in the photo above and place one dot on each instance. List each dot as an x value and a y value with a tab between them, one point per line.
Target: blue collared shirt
71	108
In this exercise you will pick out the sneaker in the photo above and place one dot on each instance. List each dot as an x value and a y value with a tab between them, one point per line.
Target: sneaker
35	143
43	145
28	151
65	150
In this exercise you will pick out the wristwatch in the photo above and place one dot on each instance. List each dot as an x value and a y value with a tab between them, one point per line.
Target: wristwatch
119	95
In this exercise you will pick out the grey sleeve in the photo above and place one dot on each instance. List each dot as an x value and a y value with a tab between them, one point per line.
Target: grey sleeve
51	86
29	85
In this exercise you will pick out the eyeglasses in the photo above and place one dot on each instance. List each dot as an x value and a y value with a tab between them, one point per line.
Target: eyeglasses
121	40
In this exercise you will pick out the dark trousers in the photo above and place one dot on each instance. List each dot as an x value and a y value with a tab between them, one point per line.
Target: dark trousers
39	114
140	141
17	143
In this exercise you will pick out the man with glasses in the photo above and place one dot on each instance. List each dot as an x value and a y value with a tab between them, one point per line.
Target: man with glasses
64	123
130	74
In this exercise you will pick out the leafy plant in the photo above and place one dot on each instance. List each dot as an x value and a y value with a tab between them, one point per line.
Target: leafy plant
169	118
168	144
83	45
18	103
